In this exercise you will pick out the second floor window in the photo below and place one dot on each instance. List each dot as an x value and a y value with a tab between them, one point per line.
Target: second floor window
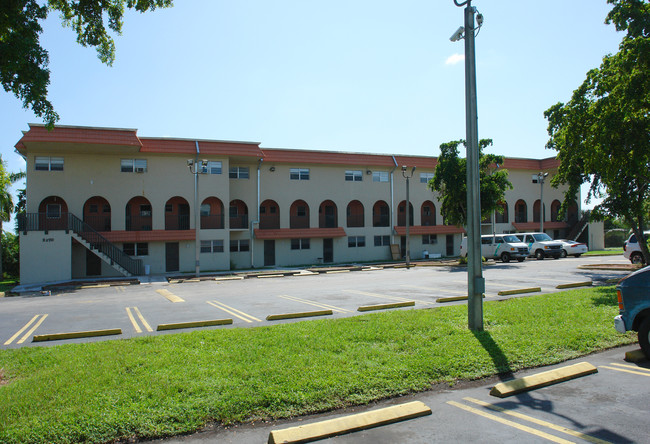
213	167
133	165
380	176
238	173
353	176
48	163
425	177
299	173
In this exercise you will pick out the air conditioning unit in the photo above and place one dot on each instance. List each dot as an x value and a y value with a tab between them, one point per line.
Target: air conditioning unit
139	170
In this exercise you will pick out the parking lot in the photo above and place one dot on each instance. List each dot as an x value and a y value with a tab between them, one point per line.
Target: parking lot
136	310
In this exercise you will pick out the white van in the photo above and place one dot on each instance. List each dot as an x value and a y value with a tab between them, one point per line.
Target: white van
541	245
500	246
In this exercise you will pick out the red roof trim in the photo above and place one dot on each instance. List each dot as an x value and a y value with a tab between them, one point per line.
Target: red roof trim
66	134
296	233
148	236
429	229
534	226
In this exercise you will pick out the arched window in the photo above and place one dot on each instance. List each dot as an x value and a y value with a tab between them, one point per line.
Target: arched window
53	214
299	214
238	214
536	211
177	214
521	211
555	210
401	214
212	214
428	213
138	214
501	215
355	214
380	214
327	215
269	215
97	213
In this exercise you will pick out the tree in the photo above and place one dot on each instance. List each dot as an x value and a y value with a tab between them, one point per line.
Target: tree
602	135
450	181
24	63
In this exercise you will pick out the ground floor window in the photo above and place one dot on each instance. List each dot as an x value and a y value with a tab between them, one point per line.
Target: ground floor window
300	244
136	249
381	241
356	241
429	238
239	245
212	246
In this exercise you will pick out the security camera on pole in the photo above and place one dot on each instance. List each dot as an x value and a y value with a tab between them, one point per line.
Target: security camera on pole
475	280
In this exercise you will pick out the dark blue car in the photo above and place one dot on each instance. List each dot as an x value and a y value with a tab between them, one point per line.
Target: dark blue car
634	307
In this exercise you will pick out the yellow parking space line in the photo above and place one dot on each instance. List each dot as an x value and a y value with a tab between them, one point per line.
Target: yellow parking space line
626	371
145	324
19	332
507	422
169	295
538	421
32	330
390	298
233	311
633	367
443	290
315	304
120	288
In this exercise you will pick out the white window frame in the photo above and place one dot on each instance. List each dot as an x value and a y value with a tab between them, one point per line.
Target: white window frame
353	175
426	177
356	241
238	172
384	240
133	165
213	167
212	246
429	239
138	248
301	243
299	173
45	163
241	245
380	176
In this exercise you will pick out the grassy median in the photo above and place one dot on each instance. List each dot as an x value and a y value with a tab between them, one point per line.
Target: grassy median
171	384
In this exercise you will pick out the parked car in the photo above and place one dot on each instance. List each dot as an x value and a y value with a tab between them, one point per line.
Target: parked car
572	248
500	246
540	245
632	251
633	294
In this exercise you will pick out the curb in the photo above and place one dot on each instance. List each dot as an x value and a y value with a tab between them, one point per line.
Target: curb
194	324
348	424
77	334
304	314
635	356
519	291
575	284
539	380
266	276
386	306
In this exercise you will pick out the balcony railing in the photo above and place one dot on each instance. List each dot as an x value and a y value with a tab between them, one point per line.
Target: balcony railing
401	220
299	222
138	223
99	223
239	221
327	221
177	222
212	222
428	220
380	220
355	220
269	221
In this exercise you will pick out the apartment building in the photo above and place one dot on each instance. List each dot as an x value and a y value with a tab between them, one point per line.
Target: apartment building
107	202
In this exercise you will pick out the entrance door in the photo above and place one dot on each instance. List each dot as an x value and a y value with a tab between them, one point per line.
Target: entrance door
269	253
450	245
328	250
171	256
183	217
402	246
93	264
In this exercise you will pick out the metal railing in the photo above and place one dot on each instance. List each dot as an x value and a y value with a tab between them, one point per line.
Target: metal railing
177	222
239	221
212	222
269	221
70	222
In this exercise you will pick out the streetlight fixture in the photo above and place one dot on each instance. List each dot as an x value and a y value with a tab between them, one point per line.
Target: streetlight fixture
408	176
475	280
197	167
540	178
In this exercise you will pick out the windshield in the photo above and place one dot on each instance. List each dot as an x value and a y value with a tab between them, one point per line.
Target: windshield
542	237
511	239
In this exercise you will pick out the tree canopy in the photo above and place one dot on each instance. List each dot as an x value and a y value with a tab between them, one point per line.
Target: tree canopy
24	63
450	182
602	135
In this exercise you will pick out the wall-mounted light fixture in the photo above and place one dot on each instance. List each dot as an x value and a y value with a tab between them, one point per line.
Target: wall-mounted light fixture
272	169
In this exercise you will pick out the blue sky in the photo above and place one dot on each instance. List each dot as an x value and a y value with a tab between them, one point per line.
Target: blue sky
361	76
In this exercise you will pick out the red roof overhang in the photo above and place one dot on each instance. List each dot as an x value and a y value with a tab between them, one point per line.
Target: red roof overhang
296	233
429	229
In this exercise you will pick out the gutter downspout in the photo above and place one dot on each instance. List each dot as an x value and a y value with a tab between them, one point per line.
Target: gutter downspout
253	222
392	203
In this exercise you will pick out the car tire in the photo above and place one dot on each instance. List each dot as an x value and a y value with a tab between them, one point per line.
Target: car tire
564	254
520	259
644	336
577	255
637	258
539	254
505	257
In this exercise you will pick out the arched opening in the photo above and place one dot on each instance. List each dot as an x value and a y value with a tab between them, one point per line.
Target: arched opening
521	211
354	214
501	214
380	214
212	214
428	213
572	213
555	210
536	211
401	214
97	213
238	214
299	214
269	215
138	214
327	215
53	214
177	214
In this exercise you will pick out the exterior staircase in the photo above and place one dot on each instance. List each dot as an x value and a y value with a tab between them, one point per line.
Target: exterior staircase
579	227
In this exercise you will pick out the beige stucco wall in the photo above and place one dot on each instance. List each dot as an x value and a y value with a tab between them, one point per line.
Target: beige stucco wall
45	257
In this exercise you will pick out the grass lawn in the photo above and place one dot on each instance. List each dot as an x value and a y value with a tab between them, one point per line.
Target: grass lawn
612	251
171	384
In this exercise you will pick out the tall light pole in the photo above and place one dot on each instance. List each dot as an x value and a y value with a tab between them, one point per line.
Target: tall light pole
408	176
540	178
197	167
475	280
